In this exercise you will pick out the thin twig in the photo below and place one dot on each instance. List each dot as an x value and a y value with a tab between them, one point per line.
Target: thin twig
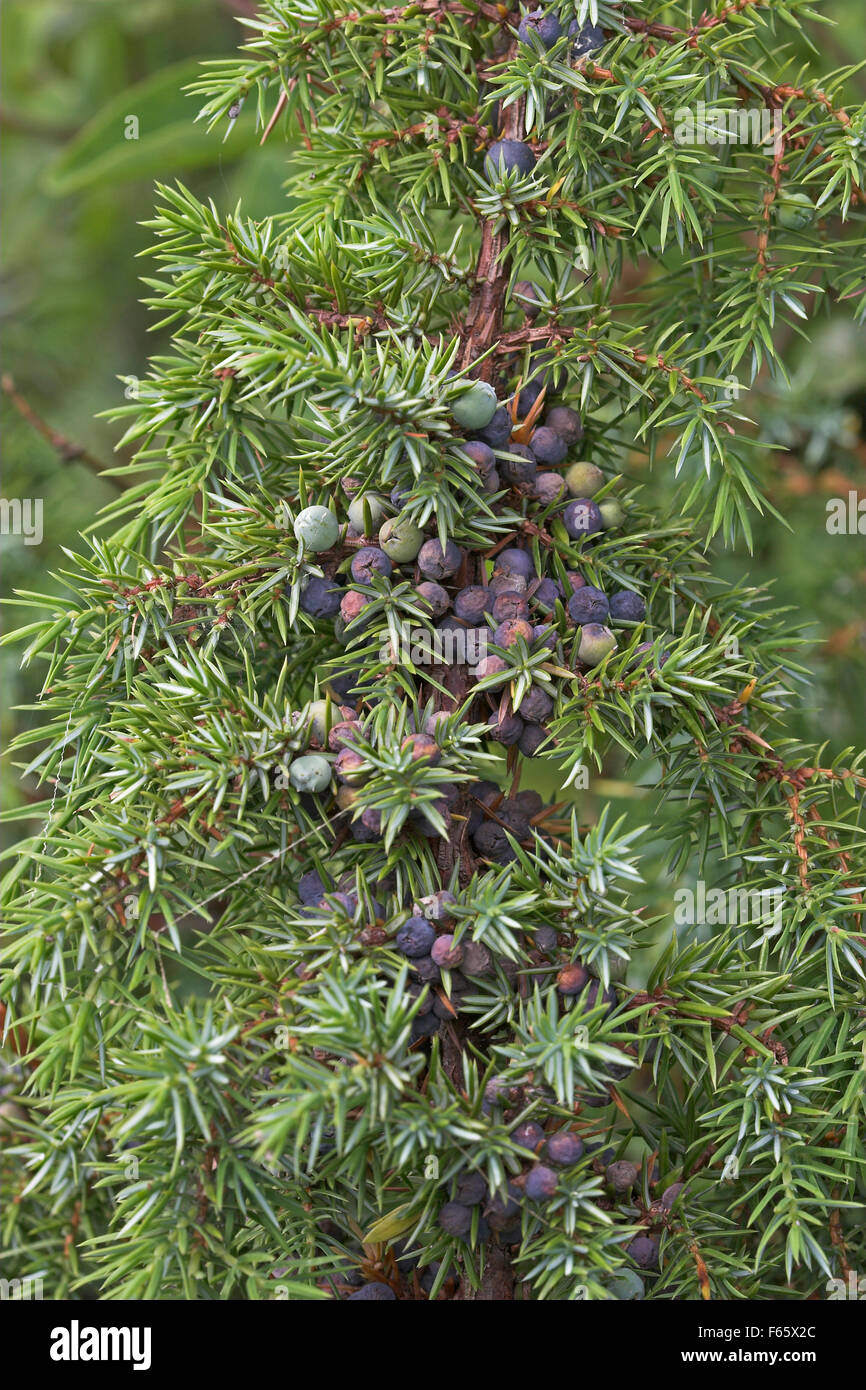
69	452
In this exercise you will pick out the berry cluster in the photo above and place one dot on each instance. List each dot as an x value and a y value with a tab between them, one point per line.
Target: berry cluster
536	611
526	603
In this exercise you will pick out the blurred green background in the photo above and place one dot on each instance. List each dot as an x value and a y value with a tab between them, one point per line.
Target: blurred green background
77	188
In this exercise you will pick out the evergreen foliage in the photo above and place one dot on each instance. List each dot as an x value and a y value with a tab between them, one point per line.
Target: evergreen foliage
226	1077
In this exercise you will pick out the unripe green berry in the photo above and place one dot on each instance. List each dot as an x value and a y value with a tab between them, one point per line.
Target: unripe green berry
401	539
476	407
311	773
612	513
583	479
626	1286
374	505
595	643
317	528
317	712
794	210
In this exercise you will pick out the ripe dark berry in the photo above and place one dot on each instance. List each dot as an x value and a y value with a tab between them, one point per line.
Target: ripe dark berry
437	907
541	1183
572	979
446	952
425	968
670	1194
588	605
529	1135
455	1219
352	605
488	794
511	1235
491	666
341	734
564	1149
428	1276
434	597
321	598
644	1251
372	1293
370	560
415	938
425	1026
477	960
419	820
515	817
444	1010
506	157
515	562
498	432
471	1189
582	518
419	992
481	455
506	730
512	631
436	563
339	902
422	746
436	721
349	766
545	634
545	938
536	705
310	887
548	488
586	39
547	592
528	396
627	606
596	995
517	466
509	605
491	842
342	685
472	603
503	583
531	739
566	422
526	295
622	1176
543	24
548	446
501	1211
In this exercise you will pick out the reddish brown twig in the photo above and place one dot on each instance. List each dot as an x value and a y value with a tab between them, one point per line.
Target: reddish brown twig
69	452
